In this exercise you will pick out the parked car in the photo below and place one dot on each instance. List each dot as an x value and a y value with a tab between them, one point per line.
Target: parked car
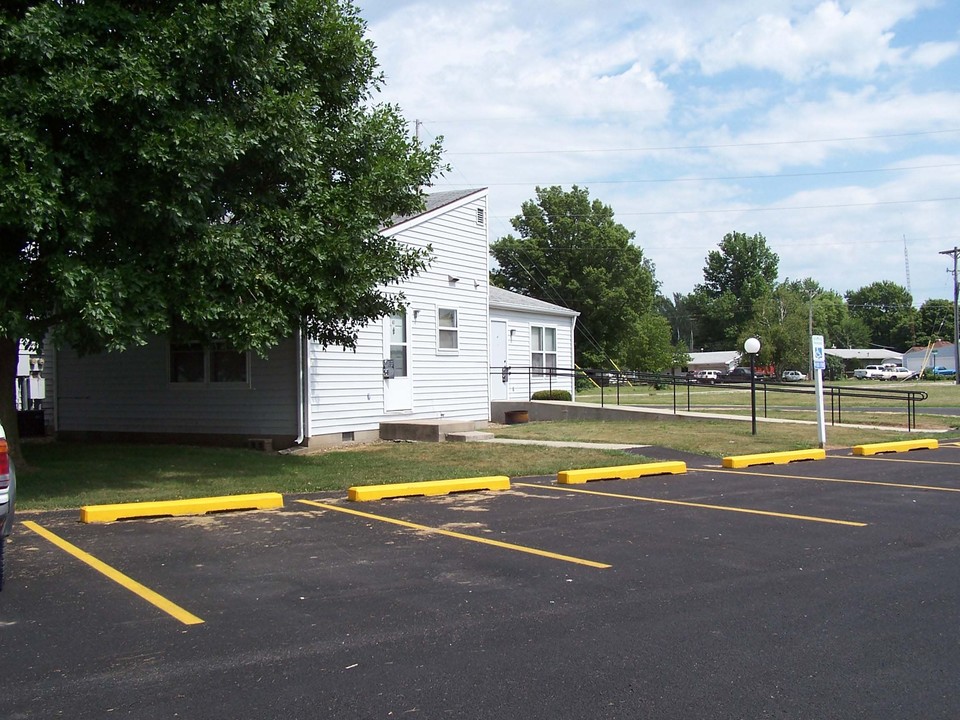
793	376
942	371
897	373
8	493
706	377
870	372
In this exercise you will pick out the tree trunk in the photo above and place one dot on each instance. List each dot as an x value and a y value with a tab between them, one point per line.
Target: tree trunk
9	357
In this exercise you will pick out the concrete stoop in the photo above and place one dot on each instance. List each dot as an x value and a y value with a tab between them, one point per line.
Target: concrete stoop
470	436
431	430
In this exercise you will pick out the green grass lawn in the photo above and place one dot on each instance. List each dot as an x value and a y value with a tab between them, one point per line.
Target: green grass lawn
797	405
69	475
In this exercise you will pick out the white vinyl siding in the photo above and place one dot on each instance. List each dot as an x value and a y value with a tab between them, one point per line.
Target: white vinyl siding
347	387
520	325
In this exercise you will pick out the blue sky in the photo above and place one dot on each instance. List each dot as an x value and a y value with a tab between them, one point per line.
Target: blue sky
832	128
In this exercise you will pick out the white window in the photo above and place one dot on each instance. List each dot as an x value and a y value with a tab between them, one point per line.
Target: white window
543	350
193	363
448	333
398	344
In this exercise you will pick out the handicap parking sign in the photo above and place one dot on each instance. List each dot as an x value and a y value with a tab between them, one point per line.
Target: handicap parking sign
819	359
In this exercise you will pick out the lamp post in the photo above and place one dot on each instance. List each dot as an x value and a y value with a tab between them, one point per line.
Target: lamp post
752	347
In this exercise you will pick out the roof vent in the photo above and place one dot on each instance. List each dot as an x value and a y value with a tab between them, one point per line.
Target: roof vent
479	216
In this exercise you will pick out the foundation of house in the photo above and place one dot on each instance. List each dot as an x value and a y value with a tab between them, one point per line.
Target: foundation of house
427	430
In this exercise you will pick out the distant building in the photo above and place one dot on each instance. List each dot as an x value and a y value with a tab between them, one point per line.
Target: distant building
31	389
722	360
921	357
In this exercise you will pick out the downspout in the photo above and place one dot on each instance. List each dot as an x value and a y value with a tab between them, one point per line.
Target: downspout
301	379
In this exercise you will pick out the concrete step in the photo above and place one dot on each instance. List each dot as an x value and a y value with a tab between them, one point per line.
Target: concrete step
424	430
469	436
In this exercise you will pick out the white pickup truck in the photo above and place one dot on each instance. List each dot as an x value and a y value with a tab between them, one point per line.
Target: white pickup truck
870	372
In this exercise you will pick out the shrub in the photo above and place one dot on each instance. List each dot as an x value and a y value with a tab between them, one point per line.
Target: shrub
551	395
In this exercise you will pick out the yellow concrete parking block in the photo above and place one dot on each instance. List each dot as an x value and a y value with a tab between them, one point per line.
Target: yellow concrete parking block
773	458
899	446
620	472
194	506
364	493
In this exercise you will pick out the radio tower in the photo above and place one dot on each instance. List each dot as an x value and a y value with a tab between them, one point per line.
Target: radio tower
906	264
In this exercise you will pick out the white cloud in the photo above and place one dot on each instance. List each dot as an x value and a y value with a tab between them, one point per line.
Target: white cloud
628	101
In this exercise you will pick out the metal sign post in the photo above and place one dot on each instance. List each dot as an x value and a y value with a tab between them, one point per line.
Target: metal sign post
819	365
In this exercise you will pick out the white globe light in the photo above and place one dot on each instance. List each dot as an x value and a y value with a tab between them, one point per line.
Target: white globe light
752	345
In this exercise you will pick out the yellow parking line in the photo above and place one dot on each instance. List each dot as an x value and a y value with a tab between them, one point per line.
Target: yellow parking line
906	486
887	458
132	585
460	536
703	506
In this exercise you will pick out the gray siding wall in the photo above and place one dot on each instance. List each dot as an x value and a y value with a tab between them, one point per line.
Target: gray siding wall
130	392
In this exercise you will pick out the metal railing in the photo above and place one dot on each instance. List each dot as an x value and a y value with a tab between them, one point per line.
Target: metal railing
610	382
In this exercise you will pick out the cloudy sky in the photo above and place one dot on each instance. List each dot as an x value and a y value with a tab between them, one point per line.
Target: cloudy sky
832	128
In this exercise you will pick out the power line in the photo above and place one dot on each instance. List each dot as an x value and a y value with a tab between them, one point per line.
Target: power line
723	146
782	208
717	178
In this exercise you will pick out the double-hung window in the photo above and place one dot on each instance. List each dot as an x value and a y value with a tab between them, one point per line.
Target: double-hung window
448	330
543	350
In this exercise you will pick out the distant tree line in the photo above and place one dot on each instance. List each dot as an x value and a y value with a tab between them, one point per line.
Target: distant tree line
568	250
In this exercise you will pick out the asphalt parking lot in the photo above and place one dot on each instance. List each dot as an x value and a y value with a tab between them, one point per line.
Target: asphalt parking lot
827	589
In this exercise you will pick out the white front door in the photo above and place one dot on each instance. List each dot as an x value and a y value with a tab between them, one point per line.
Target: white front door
498	359
397	382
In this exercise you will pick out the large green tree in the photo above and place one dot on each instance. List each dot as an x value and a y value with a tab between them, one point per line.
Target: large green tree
887	310
795	310
935	321
569	250
737	277
677	312
219	167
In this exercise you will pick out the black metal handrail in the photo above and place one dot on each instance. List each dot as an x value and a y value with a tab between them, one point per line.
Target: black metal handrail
615	379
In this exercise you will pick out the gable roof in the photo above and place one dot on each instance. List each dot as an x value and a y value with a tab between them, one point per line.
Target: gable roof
715	357
921	349
507	300
866	354
433	203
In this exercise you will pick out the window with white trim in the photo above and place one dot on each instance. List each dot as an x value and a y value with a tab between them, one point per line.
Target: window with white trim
543	350
398	344
214	364
448	330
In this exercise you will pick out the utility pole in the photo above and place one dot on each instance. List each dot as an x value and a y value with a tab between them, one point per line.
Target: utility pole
956	317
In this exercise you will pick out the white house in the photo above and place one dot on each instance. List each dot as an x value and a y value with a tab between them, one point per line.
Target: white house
720	360
529	340
939	353
431	362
